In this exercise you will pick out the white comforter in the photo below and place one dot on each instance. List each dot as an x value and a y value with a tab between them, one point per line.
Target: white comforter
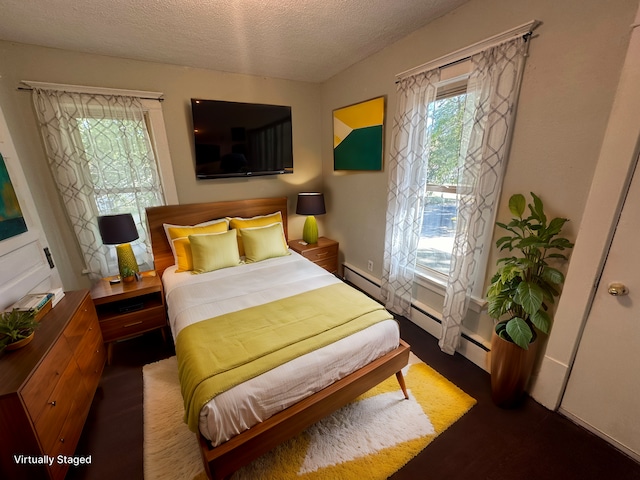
191	298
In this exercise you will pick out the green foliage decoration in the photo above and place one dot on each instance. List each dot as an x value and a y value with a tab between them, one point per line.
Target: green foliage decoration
16	325
525	284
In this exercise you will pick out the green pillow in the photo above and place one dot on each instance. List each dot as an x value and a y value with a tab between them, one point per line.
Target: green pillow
214	251
261	243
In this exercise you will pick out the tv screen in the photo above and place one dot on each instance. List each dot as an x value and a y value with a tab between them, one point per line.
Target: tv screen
241	139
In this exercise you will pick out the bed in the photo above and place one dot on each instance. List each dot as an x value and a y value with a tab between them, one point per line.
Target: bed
291	402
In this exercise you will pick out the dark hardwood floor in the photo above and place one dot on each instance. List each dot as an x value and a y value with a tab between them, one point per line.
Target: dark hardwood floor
487	443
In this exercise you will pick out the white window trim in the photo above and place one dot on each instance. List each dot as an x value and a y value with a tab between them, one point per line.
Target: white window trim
437	283
160	143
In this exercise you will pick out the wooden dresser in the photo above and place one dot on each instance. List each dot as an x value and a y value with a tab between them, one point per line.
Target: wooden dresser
46	390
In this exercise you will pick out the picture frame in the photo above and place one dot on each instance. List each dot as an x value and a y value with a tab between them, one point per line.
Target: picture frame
358	134
12	221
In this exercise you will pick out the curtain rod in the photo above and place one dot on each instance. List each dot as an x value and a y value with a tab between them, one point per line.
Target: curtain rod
525	30
29	85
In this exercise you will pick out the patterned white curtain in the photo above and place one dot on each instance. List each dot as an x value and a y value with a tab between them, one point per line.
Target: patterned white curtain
409	152
101	158
493	89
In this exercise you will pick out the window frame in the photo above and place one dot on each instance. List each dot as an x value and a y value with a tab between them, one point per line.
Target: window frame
451	78
154	124
450	87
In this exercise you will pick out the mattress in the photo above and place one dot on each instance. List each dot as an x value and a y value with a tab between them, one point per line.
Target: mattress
192	298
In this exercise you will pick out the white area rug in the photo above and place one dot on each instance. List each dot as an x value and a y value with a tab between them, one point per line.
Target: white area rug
370	438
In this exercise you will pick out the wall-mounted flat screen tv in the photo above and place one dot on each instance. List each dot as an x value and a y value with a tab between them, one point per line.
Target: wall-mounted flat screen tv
235	139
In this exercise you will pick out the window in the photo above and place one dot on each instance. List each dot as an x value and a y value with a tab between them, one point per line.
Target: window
108	153
123	172
439	217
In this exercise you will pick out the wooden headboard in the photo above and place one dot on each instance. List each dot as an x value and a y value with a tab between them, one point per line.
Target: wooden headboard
193	213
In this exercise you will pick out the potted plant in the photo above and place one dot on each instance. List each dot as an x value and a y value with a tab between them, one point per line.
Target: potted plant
17	328
521	293
128	275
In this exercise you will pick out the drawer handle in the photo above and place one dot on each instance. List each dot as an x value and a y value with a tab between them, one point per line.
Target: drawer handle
322	254
62	440
53	404
133	324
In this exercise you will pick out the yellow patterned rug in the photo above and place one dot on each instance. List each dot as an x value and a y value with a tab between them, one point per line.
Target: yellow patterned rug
371	438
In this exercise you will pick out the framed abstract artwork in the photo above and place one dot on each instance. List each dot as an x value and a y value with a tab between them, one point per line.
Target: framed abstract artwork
11	220
358	133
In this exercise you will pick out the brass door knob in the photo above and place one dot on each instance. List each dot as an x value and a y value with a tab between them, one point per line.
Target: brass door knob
617	289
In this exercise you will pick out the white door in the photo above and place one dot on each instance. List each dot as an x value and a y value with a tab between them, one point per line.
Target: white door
24	266
603	391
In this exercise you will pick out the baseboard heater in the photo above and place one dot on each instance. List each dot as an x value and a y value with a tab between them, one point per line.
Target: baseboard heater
470	347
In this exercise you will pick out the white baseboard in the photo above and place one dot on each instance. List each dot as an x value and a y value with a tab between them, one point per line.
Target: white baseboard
471	346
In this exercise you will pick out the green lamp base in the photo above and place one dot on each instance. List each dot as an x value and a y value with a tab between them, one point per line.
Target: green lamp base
310	230
127	264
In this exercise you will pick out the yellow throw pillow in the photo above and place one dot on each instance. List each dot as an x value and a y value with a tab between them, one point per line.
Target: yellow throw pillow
214	251
175	232
240	223
183	256
261	243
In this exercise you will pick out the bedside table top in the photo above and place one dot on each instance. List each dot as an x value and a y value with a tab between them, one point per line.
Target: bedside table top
322	243
105	292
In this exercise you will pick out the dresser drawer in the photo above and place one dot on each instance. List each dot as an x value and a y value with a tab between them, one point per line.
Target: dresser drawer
84	319
67	438
91	357
133	323
69	390
44	380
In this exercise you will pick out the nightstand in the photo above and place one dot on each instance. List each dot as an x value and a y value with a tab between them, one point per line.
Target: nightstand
126	310
324	253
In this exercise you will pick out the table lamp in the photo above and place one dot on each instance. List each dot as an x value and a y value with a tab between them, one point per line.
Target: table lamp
119	230
310	204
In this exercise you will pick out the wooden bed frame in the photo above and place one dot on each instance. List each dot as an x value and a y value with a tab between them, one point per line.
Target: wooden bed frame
220	462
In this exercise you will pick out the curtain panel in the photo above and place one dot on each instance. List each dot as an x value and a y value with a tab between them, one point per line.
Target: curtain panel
408	165
101	159
493	88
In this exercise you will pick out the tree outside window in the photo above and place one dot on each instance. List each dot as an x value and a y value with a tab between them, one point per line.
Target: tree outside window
439	218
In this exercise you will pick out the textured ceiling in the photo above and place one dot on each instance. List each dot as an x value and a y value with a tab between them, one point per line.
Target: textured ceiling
309	40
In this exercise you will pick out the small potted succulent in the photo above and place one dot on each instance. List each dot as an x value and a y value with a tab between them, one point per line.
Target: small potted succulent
128	275
17	328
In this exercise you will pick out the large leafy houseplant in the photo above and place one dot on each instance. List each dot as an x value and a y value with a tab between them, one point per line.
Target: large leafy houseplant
525	284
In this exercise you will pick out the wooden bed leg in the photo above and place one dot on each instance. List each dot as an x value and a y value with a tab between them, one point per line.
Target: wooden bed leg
403	386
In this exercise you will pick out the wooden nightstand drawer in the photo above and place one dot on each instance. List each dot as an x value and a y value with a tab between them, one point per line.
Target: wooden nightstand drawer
323	253
134	323
129	309
330	264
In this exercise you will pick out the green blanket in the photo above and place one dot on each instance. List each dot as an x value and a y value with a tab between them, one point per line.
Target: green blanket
217	354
